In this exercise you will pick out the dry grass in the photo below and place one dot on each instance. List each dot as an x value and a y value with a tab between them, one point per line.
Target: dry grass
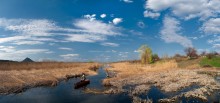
165	75
15	77
37	65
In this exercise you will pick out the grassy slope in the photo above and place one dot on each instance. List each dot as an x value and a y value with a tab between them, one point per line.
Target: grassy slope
186	63
214	62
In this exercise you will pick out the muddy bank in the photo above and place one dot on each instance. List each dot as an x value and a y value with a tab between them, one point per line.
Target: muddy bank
18	80
137	79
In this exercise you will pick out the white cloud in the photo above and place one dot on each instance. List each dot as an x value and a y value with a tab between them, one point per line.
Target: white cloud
11	53
7	49
96	27
151	14
92	31
141	24
28	31
69	55
32	32
85	38
90	17
186	9
136	51
216	46
128	1
103	15
212	26
110	44
135	32
65	48
214	40
14	38
117	20
32	27
27	42
170	32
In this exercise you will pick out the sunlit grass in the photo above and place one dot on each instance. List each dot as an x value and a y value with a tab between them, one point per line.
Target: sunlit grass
214	62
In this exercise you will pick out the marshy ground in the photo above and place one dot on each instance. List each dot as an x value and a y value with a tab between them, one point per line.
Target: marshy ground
163	81
17	77
192	81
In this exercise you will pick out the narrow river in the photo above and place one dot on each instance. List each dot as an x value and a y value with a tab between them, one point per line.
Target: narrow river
64	92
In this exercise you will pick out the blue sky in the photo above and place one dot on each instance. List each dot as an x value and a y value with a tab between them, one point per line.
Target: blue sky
105	30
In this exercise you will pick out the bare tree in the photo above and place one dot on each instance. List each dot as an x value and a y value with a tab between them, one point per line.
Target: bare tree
191	52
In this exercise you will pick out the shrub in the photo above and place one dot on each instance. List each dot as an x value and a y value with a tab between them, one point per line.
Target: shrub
145	54
191	52
155	57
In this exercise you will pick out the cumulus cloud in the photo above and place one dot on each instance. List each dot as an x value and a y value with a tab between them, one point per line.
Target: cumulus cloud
170	32
212	26
151	14
117	20
103	15
90	17
110	44
93	31
186	9
96	27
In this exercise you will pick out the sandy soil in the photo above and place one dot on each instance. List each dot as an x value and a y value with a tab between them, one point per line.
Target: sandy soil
14	80
136	79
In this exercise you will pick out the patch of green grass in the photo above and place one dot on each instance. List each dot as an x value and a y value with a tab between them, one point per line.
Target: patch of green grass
214	62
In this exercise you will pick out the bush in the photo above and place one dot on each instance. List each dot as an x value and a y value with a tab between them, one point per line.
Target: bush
191	52
155	57
146	54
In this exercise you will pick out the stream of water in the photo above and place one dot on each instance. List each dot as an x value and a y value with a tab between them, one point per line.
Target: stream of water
64	92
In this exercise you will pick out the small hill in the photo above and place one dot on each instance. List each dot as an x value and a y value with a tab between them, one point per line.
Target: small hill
27	60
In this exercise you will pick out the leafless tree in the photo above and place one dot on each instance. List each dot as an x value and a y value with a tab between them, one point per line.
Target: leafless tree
191	52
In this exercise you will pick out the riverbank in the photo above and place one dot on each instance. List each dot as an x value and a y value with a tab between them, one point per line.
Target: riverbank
137	79
17	77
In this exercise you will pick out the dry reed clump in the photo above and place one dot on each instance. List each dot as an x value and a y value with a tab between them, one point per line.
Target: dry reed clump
37	65
164	75
18	79
139	100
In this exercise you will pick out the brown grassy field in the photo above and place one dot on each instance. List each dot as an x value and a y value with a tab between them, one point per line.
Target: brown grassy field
166	75
16	77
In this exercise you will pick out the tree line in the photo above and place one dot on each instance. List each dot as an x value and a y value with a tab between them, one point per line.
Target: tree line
147	56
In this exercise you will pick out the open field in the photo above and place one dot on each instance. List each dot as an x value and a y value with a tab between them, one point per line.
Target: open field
136	79
16	77
214	62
